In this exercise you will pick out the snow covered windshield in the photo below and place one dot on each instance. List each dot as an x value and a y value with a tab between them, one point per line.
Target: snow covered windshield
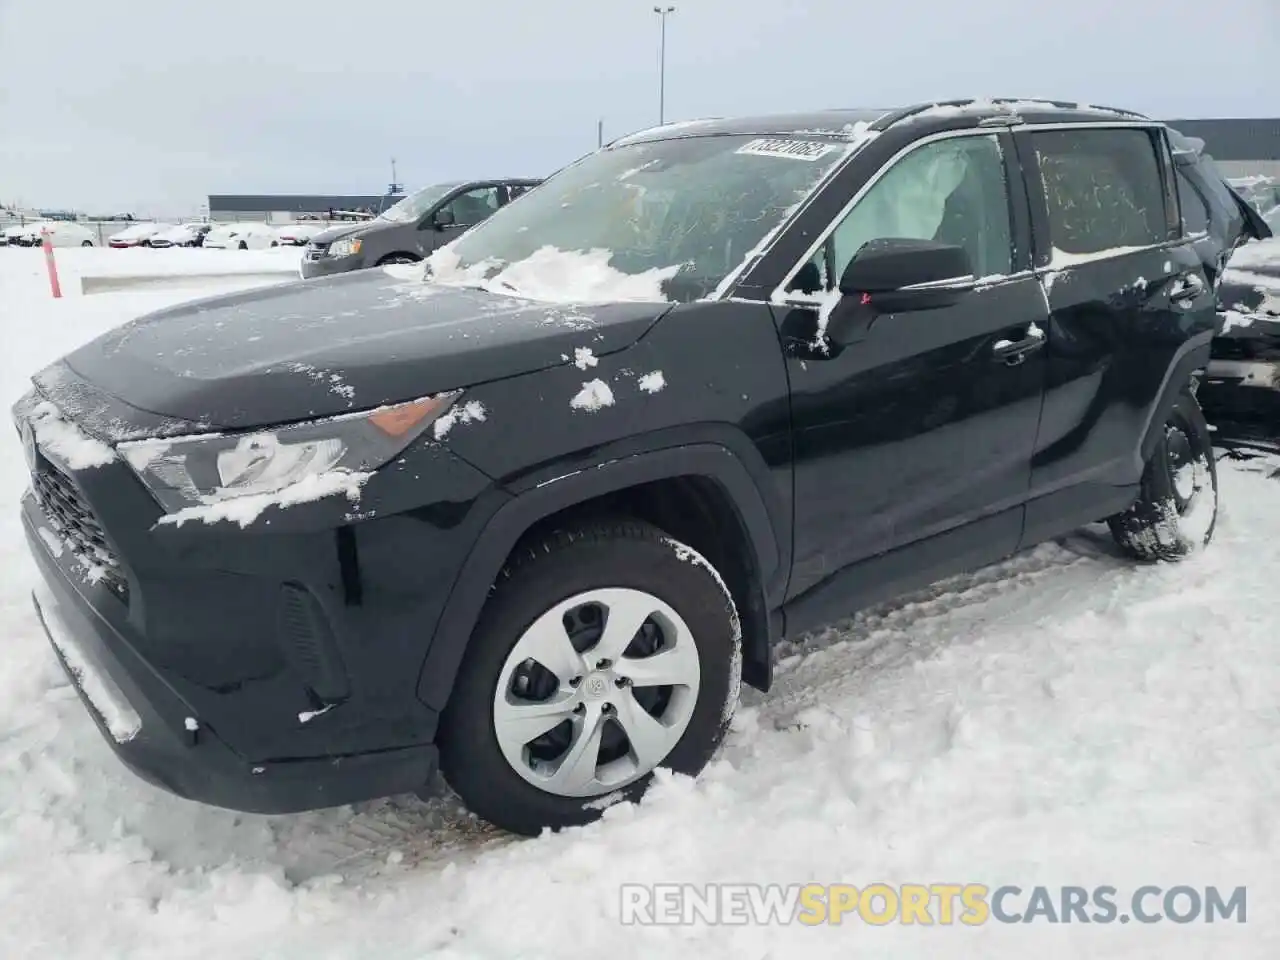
681	213
416	204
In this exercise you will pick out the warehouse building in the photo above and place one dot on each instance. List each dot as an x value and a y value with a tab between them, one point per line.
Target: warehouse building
1241	147
288	208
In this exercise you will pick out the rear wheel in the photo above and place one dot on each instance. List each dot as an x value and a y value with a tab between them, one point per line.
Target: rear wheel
603	653
1177	508
87	243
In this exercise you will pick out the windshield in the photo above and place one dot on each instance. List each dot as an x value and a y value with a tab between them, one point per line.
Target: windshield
682	213
416	204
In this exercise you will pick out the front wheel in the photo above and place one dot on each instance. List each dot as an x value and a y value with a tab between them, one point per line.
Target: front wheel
603	653
87	243
397	258
1177	507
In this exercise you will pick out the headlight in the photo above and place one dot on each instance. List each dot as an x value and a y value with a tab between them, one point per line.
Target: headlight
344	248
210	468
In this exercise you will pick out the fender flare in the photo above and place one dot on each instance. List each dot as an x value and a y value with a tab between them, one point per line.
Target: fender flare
516	516
1193	355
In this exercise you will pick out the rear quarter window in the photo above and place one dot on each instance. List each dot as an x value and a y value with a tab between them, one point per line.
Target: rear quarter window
1195	208
1103	189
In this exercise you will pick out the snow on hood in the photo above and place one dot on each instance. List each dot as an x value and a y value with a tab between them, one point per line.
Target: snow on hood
551	275
1259	254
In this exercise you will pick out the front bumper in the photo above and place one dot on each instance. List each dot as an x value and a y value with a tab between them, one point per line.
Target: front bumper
328	266
161	738
293	648
1241	399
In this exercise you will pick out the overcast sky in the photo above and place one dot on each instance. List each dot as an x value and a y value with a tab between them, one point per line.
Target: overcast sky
150	105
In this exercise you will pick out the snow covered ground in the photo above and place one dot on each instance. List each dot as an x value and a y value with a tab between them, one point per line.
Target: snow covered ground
1065	717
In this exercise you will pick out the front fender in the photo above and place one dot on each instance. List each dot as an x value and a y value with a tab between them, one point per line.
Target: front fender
541	499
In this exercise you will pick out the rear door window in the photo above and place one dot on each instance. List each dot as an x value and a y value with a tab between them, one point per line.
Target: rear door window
1103	189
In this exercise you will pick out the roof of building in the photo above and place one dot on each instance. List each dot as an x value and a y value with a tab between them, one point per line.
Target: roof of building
1235	138
295	203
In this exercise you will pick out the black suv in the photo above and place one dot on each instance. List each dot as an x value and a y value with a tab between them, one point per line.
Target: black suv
535	518
411	229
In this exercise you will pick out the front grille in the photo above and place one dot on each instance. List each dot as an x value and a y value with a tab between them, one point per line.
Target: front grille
73	520
316	250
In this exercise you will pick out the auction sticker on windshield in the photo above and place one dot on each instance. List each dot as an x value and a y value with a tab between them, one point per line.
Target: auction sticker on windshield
795	149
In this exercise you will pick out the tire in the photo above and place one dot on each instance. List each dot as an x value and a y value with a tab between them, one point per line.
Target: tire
87	243
396	258
609	566
1177	508
243	246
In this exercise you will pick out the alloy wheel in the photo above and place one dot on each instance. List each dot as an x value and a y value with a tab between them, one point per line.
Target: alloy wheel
596	692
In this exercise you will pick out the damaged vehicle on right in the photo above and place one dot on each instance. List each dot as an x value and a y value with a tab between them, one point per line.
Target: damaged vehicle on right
1240	389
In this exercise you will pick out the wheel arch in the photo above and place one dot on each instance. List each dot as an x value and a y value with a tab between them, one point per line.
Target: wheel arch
713	476
388	257
1191	356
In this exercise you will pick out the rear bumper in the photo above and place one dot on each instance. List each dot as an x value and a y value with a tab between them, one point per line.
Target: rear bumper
162	739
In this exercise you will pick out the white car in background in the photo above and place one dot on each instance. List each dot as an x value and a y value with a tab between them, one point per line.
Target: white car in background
9	236
62	233
297	234
186	235
137	235
242	236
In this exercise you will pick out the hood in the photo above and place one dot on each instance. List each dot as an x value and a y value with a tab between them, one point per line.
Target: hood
319	348
1249	292
361	227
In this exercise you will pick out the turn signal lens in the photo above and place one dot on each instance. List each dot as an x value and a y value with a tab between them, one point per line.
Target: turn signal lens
398	420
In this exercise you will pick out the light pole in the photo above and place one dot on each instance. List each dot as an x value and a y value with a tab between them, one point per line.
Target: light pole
662	13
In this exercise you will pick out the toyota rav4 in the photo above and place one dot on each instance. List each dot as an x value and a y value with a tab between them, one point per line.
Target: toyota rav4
534	514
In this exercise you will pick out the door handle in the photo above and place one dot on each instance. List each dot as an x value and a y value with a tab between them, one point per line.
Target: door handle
1186	288
1014	352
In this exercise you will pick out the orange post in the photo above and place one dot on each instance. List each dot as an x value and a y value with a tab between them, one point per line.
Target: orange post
50	263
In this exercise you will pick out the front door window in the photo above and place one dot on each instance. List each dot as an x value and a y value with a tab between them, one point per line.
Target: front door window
951	191
473	206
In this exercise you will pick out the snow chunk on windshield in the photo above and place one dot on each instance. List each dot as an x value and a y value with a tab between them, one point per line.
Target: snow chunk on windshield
64	439
575	276
245	510
593	396
444	268
552	275
584	358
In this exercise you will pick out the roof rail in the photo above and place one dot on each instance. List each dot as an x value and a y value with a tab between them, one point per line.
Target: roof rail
899	115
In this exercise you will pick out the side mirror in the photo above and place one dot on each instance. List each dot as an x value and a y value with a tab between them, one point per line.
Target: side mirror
897	275
443	218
